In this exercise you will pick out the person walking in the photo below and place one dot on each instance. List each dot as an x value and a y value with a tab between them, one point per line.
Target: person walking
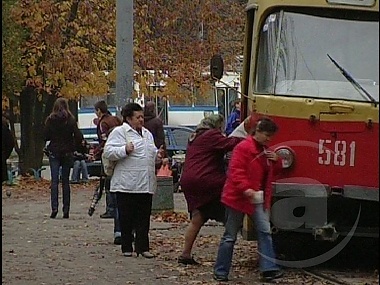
154	124
203	178
106	123
62	131
7	145
133	181
248	191
81	156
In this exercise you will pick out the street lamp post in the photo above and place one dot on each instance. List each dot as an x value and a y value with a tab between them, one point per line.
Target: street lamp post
124	52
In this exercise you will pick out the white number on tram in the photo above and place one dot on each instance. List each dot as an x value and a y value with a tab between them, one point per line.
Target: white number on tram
338	153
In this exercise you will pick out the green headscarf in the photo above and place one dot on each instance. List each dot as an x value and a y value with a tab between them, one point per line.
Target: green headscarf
210	122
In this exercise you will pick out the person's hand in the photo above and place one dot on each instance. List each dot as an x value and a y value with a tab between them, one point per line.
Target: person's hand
271	155
161	152
249	193
165	161
129	147
90	157
256	197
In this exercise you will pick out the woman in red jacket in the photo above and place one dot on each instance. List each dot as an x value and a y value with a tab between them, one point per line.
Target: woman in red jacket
203	178
248	191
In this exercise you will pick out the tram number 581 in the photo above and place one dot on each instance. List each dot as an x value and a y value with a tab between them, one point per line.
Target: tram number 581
338	153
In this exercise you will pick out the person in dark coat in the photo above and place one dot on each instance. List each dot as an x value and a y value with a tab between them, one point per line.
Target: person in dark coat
7	145
154	124
203	178
62	131
106	123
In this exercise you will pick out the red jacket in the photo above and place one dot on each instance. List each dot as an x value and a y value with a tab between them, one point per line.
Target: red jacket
248	169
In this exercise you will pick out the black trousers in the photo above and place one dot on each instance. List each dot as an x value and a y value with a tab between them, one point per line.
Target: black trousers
134	215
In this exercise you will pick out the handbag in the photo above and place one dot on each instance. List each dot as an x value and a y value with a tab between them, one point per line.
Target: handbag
109	165
164	171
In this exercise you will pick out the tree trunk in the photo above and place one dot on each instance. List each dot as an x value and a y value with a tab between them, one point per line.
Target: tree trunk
12	121
73	107
34	109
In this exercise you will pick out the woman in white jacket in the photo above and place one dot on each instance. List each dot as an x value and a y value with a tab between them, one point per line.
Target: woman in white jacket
133	179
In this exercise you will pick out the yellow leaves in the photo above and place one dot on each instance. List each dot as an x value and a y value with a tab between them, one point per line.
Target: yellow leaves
112	76
93	84
4	103
32	70
69	90
67	43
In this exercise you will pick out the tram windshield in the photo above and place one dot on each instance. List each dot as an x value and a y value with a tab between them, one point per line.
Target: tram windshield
294	52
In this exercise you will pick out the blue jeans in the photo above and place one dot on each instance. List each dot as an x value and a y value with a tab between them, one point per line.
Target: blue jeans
79	166
105	183
234	222
55	164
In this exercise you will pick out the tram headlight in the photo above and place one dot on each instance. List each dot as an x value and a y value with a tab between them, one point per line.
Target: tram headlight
286	155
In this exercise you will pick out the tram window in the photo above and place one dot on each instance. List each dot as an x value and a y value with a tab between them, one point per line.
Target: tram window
232	97
204	97
302	67
180	100
221	95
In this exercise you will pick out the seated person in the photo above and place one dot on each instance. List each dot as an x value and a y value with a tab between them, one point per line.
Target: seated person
81	156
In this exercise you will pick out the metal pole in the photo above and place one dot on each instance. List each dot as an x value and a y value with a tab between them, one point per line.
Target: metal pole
124	52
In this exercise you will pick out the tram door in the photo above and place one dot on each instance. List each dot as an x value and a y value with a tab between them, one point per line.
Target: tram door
226	98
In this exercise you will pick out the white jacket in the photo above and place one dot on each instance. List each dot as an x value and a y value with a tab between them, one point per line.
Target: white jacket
133	173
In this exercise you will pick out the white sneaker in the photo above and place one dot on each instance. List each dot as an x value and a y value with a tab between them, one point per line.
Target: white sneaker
127	254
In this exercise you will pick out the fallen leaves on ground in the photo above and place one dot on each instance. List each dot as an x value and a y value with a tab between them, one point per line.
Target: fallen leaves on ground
171	217
27	187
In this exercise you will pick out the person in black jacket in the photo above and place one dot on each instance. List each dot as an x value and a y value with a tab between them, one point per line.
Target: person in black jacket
106	123
62	131
81	156
7	145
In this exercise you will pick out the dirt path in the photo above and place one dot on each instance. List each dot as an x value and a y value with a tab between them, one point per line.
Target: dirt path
80	250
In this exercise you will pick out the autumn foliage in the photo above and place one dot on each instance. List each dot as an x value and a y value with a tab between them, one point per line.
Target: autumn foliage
71	43
68	48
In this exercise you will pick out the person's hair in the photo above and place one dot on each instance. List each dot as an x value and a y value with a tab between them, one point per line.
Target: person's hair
61	109
150	109
214	121
266	124
237	101
102	106
129	109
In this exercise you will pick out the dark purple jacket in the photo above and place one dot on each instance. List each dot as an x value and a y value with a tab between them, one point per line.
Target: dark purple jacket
204	174
63	134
